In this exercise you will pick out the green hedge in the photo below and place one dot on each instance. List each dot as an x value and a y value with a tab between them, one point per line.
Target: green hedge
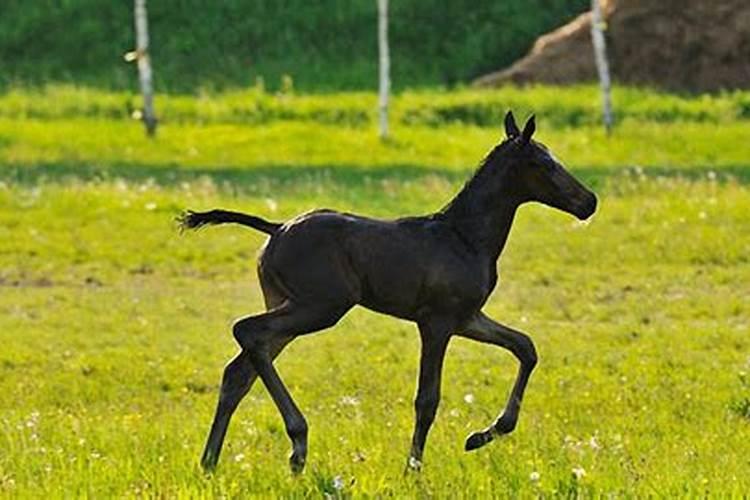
323	45
571	106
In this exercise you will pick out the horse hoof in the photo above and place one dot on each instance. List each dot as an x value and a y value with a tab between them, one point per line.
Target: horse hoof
505	425
413	464
477	440
296	463
208	463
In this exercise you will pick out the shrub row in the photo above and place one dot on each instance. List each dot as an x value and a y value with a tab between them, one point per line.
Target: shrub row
561	107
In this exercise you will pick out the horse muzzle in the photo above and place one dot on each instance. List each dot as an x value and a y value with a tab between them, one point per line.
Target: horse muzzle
586	207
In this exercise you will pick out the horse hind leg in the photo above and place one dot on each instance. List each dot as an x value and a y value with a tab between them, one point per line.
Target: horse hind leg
257	334
273	292
239	376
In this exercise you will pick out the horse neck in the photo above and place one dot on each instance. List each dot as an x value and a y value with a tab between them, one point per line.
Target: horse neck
483	211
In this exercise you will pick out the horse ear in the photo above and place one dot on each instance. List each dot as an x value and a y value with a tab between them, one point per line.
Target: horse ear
528	130
511	129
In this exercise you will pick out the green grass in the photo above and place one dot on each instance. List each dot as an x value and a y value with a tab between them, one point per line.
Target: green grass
115	328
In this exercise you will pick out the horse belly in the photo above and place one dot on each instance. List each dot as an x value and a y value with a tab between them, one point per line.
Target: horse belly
391	284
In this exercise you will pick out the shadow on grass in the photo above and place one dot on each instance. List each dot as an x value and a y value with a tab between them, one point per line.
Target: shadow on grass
242	176
263	177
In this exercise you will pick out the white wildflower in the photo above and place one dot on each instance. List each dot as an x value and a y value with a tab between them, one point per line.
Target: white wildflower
579	472
534	477
338	483
594	444
349	401
32	420
468	398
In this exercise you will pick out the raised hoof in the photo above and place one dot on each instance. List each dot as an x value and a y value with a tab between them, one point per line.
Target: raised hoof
296	463
505	425
477	440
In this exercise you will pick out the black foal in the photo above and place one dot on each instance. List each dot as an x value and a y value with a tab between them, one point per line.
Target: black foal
437	270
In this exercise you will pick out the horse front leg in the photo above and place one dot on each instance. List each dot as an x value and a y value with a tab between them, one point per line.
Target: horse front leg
483	329
435	336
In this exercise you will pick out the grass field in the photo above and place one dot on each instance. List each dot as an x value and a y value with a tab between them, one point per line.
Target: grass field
114	328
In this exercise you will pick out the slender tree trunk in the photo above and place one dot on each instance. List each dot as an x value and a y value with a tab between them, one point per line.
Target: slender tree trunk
602	66
145	75
385	67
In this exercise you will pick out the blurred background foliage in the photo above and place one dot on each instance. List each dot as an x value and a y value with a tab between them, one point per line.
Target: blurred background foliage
328	45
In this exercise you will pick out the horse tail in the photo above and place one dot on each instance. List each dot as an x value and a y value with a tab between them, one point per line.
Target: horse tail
196	220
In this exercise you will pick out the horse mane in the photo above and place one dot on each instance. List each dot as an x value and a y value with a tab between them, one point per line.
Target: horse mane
465	202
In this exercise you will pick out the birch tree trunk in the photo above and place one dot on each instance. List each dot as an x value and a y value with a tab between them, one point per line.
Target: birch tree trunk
145	75
385	67
602	66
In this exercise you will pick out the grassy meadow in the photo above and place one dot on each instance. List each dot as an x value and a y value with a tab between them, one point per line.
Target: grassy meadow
115	328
